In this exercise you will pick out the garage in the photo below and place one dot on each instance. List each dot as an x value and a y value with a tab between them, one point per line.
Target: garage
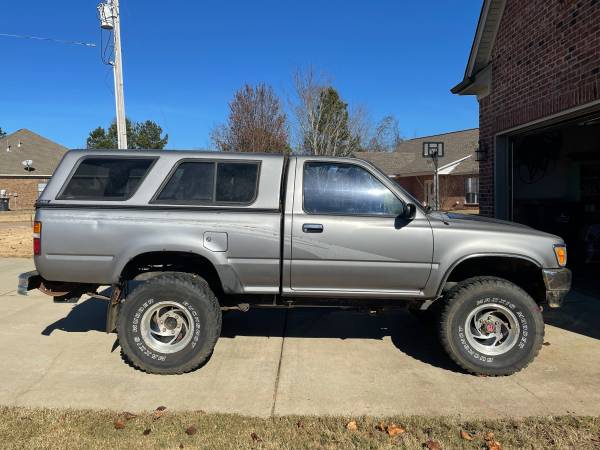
555	187
538	91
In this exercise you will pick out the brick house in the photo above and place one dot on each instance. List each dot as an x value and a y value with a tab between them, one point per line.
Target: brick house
535	69
458	168
20	182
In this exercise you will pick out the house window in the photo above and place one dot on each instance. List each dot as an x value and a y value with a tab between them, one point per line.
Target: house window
41	187
472	191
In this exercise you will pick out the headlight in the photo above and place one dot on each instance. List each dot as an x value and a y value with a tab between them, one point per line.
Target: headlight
560	250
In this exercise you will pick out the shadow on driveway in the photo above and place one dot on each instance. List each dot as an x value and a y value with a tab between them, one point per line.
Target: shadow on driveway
407	334
580	314
89	315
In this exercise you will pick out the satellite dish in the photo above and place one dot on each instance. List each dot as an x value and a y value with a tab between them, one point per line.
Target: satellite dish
28	164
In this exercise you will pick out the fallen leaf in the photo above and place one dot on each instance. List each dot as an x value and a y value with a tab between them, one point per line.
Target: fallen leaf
159	412
191	430
394	430
119	424
380	426
466	435
147	431
493	445
432	445
128	415
352	426
255	437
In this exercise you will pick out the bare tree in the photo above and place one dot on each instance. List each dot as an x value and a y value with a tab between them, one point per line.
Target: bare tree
325	126
385	137
256	123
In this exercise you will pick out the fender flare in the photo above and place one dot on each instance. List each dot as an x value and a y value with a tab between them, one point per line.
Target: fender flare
482	255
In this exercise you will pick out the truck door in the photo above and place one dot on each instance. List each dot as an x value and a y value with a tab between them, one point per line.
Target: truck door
346	235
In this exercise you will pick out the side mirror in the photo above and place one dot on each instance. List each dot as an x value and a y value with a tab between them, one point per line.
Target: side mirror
410	211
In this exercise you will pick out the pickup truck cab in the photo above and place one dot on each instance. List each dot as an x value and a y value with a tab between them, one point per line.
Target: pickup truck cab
197	233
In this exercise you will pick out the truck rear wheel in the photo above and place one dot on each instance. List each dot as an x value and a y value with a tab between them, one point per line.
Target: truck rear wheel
490	326
169	324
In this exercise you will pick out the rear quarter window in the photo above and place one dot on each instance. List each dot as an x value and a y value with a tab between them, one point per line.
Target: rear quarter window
106	178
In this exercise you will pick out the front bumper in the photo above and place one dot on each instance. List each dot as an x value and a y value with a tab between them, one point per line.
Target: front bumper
558	284
28	281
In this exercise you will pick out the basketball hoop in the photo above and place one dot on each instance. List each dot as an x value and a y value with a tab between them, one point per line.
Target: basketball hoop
434	150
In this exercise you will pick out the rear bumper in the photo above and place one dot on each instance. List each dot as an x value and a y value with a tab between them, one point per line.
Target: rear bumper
28	281
558	284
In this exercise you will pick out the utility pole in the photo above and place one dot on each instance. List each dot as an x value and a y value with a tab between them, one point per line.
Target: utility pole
436	182
110	19
118	71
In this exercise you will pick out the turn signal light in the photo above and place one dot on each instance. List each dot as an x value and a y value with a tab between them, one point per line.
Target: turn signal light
37	238
561	254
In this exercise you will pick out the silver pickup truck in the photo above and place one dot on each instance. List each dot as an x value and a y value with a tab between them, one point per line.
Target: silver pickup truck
182	236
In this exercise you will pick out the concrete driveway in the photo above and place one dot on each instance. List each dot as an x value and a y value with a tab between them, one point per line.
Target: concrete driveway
289	362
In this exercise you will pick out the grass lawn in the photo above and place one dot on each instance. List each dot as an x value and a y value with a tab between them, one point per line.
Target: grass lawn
57	428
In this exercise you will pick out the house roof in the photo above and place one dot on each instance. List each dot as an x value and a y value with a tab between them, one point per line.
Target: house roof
44	154
408	159
478	71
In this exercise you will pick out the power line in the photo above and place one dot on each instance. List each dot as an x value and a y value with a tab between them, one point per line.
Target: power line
38	38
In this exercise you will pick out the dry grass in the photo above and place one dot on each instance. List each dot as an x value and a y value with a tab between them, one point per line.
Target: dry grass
53	428
15	240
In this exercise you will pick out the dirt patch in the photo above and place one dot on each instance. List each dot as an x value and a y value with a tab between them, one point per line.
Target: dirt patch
15	240
58	428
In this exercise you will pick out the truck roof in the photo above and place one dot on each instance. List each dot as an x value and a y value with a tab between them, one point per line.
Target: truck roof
177	153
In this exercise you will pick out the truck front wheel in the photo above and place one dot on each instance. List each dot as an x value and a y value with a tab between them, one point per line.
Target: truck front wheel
490	326
169	324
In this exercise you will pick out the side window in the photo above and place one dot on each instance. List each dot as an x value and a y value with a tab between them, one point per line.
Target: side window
191	182
236	182
338	188
209	182
106	178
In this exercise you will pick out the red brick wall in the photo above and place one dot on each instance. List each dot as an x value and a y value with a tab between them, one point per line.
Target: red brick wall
546	59
27	190
414	185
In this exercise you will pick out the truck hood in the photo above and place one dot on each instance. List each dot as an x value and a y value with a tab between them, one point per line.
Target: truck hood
476	222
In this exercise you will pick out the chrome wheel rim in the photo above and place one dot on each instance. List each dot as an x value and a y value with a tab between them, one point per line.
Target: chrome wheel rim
492	329
167	327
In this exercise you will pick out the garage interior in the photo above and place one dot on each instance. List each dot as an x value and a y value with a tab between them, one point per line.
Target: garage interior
556	188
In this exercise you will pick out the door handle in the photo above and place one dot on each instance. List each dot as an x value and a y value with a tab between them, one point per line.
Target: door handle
312	228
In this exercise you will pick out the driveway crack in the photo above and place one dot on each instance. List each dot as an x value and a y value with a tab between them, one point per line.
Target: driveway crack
531	392
40	379
276	388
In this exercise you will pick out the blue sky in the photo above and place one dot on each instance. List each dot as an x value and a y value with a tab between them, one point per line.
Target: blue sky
184	59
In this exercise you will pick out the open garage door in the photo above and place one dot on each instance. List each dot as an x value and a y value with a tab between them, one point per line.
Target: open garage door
556	188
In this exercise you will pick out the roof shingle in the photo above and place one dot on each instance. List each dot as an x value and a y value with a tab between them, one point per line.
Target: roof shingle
44	153
408	159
